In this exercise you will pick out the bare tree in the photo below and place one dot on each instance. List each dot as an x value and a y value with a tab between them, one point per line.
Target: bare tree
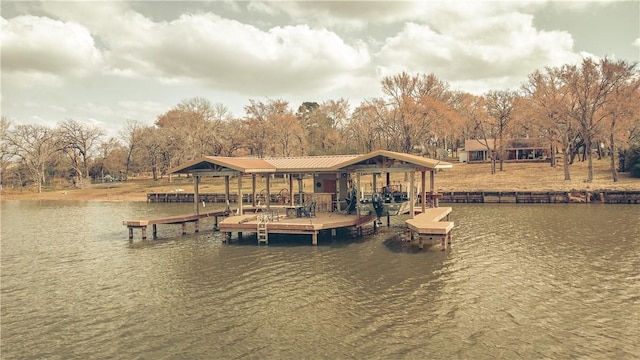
34	145
550	102
131	134
419	103
365	130
5	154
500	105
78	141
591	85
622	108
106	148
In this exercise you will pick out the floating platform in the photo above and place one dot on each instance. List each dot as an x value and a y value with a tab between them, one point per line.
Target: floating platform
429	224
263	225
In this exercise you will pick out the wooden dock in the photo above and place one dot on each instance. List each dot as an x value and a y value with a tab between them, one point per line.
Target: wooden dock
181	219
263	226
429	224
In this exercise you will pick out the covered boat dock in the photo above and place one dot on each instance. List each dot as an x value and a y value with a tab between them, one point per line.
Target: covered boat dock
337	186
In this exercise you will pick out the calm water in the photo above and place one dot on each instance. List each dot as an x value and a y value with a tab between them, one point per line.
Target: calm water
522	281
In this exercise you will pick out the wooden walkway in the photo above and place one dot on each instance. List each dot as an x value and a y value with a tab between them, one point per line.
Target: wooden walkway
429	224
181	219
262	226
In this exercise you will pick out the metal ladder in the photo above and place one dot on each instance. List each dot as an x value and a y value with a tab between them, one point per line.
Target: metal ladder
263	234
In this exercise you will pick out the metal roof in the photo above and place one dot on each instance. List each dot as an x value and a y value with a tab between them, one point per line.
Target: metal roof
303	164
221	163
309	163
402	157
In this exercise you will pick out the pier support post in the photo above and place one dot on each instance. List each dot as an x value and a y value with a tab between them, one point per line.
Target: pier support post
420	242
130	233
215	224
184	228
314	238
196	226
144	233
226	238
155	231
333	233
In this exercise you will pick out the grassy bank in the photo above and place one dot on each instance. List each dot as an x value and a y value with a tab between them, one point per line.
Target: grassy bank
462	177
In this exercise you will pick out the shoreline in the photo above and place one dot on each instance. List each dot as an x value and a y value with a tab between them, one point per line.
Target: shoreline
462	178
607	196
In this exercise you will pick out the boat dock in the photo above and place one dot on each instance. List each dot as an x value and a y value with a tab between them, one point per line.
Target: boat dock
429	224
264	224
338	192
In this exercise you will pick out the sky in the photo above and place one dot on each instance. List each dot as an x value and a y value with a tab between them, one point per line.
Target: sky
106	62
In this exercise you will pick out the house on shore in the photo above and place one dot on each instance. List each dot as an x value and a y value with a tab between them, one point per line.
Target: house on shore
525	149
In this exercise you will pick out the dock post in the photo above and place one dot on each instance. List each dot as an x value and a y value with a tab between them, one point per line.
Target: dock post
333	233
314	238
420	242
375	226
239	235
130	233
226	238
184	228
388	219
196	226
443	242
215	223
144	233
155	231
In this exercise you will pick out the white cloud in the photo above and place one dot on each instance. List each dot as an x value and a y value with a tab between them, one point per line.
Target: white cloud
236	56
500	49
46	49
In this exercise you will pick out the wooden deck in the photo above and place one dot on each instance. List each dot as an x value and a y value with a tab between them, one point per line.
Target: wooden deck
255	223
429	224
181	219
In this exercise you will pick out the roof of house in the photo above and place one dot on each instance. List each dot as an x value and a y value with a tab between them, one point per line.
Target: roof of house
518	143
304	164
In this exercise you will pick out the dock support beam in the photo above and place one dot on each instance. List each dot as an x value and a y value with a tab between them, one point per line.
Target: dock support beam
412	194
155	231
432	184
423	190
239	193
196	195
314	238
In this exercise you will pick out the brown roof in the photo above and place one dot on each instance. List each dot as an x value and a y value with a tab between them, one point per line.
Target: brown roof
477	145
308	163
220	163
408	158
300	164
518	143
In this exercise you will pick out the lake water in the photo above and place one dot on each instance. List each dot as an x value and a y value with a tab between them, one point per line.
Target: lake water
521	281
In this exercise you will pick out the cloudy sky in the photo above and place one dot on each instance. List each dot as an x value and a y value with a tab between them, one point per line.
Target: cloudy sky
105	62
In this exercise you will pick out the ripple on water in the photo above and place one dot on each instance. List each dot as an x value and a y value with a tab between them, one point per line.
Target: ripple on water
520	282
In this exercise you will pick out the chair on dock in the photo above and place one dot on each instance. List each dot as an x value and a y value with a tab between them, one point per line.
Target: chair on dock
309	211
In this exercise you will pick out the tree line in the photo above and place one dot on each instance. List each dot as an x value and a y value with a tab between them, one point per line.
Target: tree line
584	110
